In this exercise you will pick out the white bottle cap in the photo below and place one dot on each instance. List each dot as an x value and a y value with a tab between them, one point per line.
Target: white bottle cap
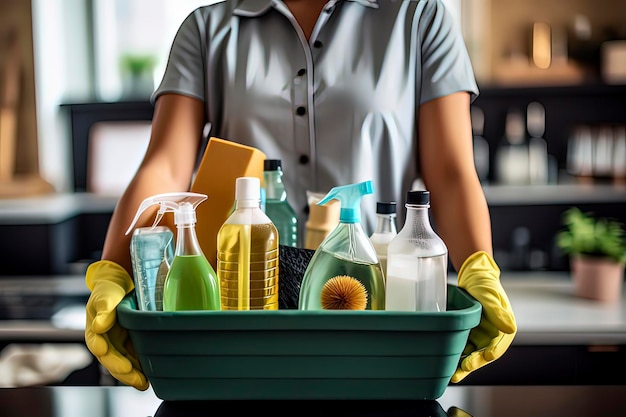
248	191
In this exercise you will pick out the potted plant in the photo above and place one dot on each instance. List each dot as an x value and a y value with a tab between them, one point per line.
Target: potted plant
597	250
137	74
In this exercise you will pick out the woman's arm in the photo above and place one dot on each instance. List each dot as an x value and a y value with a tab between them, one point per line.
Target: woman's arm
166	167
460	211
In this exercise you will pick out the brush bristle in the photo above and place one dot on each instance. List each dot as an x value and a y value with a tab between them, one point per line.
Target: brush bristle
344	292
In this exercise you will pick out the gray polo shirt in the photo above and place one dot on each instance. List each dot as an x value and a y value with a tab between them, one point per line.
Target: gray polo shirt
338	109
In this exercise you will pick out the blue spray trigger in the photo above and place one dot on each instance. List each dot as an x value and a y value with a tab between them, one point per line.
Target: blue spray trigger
349	197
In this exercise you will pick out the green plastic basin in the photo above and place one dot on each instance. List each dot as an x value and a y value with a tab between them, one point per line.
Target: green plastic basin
293	354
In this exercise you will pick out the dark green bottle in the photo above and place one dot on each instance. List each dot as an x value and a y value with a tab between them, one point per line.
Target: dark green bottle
277	206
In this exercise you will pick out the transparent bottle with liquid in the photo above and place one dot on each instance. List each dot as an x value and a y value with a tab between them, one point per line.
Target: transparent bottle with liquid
191	282
417	262
247	253
151	254
344	272
385	231
277	206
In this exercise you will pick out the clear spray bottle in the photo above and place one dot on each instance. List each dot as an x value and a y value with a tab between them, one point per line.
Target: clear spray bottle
191	283
151	255
344	272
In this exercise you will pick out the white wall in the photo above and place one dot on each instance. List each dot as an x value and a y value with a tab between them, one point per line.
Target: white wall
61	71
134	26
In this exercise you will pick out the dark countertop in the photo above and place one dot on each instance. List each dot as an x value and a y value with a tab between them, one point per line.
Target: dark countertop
478	401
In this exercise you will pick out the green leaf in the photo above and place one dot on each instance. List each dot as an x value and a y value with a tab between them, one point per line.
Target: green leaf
585	234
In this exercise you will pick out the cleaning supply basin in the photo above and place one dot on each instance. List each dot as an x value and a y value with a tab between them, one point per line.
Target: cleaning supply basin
295	354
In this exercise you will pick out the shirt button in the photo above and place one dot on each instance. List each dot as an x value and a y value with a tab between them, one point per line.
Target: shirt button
304	159
317	44
301	111
301	72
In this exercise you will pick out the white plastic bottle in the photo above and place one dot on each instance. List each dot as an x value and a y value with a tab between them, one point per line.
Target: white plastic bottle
385	231
417	262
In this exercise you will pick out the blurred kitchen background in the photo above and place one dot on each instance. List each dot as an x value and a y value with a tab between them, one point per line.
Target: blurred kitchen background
549	125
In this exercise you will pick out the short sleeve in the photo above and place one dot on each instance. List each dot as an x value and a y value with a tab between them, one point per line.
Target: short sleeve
446	66
184	72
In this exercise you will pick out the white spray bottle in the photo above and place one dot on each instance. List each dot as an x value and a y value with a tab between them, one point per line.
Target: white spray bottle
191	283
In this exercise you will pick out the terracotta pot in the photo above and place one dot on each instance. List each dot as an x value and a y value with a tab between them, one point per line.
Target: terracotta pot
597	278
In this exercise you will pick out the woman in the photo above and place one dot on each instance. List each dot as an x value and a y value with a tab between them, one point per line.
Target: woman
341	92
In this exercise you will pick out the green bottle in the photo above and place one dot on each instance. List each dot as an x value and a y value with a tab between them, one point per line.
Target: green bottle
277	206
191	283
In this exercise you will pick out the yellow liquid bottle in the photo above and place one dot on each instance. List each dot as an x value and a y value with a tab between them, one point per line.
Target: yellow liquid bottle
247	253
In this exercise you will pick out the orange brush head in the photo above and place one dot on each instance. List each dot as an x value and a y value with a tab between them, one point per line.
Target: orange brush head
344	293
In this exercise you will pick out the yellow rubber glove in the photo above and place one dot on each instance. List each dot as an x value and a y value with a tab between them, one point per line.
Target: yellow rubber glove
105	338
480	277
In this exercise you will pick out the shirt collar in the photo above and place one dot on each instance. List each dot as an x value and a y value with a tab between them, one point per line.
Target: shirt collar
252	8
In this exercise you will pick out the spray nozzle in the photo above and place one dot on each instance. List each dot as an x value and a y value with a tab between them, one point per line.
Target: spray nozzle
350	198
183	205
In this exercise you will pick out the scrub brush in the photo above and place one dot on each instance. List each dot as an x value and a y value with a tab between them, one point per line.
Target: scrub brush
343	292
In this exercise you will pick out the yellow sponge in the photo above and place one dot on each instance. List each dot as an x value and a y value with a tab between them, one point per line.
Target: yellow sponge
222	163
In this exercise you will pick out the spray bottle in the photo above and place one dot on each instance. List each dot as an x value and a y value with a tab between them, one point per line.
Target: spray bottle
191	283
344	272
151	255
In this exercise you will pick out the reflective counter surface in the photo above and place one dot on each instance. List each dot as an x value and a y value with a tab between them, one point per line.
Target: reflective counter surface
457	401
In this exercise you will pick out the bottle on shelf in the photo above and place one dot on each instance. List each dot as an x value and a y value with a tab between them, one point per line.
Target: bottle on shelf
344	272
277	206
538	158
247	253
385	231
619	153
191	282
480	144
512	152
417	261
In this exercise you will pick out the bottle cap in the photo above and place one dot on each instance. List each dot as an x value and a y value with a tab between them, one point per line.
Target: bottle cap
248	190
419	198
271	164
384	207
